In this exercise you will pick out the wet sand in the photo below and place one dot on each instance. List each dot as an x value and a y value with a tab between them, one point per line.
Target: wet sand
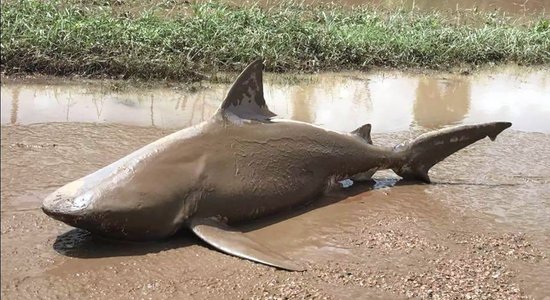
480	231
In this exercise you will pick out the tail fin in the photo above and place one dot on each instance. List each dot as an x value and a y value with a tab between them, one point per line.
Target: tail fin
428	149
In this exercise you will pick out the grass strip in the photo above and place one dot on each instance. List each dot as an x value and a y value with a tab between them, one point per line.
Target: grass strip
76	38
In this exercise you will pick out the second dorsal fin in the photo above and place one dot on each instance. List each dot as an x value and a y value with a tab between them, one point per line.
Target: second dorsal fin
245	98
364	133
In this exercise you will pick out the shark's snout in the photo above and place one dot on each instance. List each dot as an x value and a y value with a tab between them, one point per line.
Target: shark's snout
101	212
67	207
64	217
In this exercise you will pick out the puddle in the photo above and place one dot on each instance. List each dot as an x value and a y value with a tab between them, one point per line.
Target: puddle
480	199
396	103
391	101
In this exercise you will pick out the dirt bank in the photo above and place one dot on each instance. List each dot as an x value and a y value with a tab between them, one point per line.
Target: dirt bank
481	231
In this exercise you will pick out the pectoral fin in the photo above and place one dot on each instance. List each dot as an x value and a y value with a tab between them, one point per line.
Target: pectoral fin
227	240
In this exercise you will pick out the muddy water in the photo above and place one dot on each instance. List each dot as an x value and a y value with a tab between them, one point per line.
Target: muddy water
391	101
480	230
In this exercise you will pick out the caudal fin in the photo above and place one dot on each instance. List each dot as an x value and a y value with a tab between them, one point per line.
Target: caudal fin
428	149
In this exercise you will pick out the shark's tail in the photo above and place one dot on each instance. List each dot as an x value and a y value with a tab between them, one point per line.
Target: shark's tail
420	154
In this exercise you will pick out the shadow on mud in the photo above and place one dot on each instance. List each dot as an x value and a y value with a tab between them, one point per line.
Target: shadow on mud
83	244
334	196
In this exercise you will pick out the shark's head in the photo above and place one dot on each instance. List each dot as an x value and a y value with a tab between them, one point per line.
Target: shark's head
128	200
74	204
150	193
93	210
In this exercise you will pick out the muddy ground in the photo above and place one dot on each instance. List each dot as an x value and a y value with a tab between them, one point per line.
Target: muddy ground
479	232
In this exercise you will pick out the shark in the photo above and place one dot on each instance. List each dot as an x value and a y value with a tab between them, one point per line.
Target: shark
241	164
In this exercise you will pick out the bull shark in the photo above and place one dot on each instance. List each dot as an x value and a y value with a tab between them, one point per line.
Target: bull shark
241	164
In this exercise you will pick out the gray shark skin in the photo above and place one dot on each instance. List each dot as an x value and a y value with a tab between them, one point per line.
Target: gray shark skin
242	164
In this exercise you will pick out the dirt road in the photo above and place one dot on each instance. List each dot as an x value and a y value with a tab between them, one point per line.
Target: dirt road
479	232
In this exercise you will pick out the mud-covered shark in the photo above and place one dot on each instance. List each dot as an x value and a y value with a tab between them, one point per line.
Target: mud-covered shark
241	164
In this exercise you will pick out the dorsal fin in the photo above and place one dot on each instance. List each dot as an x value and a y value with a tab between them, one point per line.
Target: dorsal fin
364	133
245	99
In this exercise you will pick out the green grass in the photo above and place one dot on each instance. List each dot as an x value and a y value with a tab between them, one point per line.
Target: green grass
91	39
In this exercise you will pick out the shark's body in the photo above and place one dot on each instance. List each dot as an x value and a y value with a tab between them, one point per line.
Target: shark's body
240	165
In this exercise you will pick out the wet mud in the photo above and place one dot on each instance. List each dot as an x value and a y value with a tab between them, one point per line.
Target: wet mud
480	230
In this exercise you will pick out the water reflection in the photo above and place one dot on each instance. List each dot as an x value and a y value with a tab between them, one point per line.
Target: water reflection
391	101
15	105
301	110
441	102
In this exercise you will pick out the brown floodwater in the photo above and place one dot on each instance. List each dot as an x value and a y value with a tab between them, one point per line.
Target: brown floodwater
481	229
391	101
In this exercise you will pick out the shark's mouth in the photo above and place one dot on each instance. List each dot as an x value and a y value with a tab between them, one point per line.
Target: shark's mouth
73	219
